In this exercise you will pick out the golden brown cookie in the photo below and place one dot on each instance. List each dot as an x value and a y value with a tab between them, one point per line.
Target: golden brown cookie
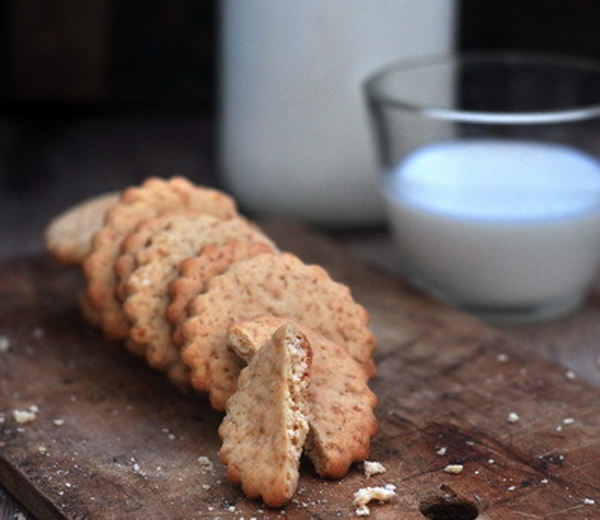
132	248
195	272
340	403
68	237
89	314
155	258
275	284
265	425
135	205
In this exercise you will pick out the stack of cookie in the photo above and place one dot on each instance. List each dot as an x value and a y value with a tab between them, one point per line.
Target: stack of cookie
176	273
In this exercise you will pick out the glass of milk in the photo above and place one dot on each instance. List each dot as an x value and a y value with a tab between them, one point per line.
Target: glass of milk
490	173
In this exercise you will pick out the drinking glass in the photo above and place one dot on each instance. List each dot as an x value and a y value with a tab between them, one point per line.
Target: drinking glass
490	174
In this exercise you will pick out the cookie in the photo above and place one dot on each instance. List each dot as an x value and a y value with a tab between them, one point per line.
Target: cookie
155	258
262	444
141	237
340	403
89	313
151	239
275	284
68	237
195	272
135	205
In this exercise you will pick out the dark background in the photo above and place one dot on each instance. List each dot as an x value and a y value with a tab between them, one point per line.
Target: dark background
109	53
96	95
132	54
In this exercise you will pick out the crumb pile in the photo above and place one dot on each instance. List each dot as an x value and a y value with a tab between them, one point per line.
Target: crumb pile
173	271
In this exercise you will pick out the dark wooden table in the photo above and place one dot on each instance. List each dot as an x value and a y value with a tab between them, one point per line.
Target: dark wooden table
51	160
49	164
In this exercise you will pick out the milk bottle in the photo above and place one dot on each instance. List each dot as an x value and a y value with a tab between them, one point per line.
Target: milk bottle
295	137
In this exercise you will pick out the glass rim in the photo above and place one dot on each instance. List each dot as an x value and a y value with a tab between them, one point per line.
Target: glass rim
375	92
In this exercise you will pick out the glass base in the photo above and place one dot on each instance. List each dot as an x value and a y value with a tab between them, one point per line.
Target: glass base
525	314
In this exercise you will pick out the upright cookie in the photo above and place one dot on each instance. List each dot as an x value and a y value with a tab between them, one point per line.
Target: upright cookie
262	444
155	258
274	284
140	238
135	205
195	272
340	403
68	237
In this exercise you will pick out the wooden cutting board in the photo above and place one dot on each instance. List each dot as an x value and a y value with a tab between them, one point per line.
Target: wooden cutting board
113	439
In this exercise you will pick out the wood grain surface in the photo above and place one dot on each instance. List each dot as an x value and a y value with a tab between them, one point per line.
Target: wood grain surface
114	439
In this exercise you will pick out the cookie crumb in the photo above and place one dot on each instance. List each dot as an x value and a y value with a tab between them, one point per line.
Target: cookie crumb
373	468
589	501
4	344
512	417
26	416
205	464
454	469
137	469
367	494
170	435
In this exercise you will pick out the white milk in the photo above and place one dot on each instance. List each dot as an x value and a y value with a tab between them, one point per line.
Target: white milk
498	223
295	138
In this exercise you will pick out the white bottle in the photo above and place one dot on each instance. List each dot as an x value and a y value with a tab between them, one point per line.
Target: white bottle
295	139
